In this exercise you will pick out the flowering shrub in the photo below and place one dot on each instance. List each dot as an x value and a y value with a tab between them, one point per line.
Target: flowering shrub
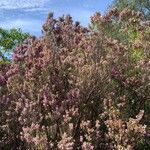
79	88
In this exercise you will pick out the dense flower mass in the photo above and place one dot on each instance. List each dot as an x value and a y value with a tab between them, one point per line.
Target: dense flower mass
79	88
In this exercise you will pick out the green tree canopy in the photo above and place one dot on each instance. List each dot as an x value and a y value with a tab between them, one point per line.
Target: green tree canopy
9	39
137	5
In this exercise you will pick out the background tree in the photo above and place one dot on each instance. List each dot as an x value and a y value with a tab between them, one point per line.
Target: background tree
137	5
9	39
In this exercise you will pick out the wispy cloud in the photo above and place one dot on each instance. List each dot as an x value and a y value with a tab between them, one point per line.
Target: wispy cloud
14	4
33	26
29	15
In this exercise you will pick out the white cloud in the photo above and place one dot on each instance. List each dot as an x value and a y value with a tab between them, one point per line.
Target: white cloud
34	26
14	4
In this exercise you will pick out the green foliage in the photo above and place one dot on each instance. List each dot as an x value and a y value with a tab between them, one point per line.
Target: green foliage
137	54
137	5
9	39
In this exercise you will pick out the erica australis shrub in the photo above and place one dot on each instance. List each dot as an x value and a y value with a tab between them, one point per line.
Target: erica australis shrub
79	88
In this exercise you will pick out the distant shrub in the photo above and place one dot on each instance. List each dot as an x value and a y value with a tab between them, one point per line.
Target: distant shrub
79	88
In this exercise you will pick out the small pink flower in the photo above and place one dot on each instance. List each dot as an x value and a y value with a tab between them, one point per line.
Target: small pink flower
2	80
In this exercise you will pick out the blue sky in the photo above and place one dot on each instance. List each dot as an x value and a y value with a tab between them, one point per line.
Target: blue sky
29	15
